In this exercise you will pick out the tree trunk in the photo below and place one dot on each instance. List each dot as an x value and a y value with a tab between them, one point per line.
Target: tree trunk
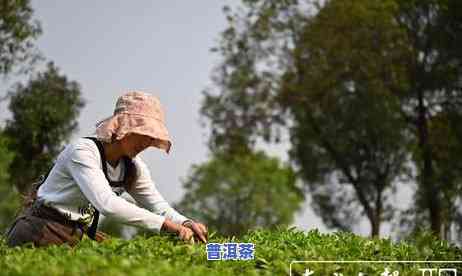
431	192
375	227
376	217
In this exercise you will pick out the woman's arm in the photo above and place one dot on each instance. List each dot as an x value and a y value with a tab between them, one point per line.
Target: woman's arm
147	195
84	167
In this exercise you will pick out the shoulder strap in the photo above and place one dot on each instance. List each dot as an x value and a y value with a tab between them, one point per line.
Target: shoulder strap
101	154
104	163
92	230
94	225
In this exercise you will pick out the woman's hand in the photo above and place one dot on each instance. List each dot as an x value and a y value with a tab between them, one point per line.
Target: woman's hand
199	229
184	233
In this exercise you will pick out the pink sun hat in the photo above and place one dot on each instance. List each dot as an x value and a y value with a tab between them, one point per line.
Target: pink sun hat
136	112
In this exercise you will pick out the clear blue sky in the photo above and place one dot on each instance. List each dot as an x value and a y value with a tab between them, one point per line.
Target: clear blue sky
161	47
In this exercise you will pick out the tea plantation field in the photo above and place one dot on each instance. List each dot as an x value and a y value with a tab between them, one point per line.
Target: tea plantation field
274	251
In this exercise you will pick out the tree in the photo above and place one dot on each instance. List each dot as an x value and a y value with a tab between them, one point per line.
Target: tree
17	33
328	53
348	159
9	199
445	141
44	115
409	50
347	137
434	71
243	109
235	193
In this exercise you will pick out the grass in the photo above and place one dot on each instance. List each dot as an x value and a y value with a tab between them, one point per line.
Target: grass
274	250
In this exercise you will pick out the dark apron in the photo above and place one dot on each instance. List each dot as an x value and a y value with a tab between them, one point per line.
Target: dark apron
42	225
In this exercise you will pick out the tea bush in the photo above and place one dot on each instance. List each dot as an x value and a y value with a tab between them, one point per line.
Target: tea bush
274	251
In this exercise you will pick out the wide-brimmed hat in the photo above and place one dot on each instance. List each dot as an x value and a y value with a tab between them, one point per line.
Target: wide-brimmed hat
136	112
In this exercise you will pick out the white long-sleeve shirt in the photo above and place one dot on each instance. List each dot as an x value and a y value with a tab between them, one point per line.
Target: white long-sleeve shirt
77	182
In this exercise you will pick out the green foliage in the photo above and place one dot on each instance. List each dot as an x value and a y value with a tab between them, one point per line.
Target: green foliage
5	159
44	116
445	141
433	72
274	250
17	34
9	197
242	107
356	83
233	193
111	227
348	137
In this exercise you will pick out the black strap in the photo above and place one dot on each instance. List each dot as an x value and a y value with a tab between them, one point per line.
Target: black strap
101	153
42	179
94	225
